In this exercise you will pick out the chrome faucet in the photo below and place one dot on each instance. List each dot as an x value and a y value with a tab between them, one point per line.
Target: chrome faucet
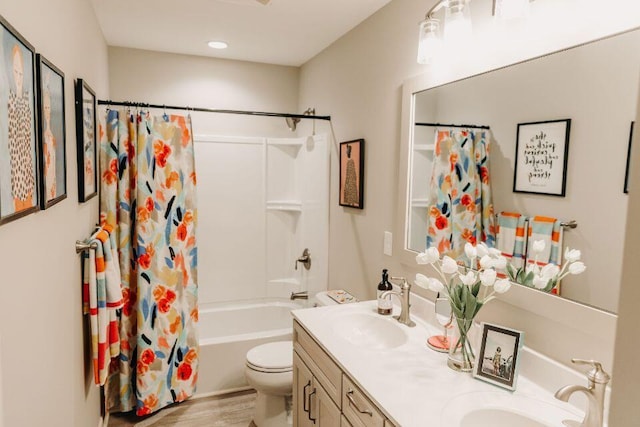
403	296
598	380
299	295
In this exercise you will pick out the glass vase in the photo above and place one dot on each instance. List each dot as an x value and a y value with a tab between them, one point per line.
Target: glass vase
461	348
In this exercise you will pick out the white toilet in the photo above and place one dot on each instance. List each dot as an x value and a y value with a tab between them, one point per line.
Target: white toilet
269	369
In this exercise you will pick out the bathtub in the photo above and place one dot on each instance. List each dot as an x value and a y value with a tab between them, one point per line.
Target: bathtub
228	331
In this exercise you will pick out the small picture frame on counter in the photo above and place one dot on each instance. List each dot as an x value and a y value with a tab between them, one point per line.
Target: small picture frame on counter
499	355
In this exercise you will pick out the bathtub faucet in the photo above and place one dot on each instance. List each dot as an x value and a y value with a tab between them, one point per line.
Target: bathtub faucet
299	295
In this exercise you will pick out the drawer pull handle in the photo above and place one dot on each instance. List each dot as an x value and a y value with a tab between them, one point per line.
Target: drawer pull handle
309	414
355	405
306	400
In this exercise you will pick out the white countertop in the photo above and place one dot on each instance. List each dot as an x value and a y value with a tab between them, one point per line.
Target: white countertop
411	384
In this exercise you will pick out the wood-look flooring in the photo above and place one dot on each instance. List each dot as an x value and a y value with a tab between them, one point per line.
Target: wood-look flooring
229	410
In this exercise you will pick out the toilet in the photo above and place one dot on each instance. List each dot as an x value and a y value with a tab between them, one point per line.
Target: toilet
269	370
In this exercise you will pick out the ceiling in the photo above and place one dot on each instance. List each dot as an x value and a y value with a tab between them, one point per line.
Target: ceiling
284	32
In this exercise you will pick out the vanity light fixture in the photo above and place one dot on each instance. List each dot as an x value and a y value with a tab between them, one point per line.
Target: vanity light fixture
457	22
217	44
457	28
428	40
506	10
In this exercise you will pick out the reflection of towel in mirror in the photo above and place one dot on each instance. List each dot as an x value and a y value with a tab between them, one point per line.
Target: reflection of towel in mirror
510	237
102	295
549	230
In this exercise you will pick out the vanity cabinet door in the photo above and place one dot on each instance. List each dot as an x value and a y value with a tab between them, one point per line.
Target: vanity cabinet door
323	410
302	389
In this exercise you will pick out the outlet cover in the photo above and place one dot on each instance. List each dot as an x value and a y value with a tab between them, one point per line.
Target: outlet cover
388	243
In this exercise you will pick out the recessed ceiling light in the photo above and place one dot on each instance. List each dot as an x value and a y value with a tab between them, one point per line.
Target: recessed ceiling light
216	44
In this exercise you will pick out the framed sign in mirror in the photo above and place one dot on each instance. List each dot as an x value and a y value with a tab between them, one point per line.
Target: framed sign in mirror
542	153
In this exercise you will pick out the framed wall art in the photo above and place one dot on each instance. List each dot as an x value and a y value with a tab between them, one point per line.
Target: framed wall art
52	135
18	126
352	174
626	173
498	357
86	141
542	150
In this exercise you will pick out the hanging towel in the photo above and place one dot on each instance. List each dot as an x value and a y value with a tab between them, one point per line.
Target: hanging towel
510	237
102	296
549	230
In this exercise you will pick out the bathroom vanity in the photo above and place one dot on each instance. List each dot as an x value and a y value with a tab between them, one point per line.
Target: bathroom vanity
353	367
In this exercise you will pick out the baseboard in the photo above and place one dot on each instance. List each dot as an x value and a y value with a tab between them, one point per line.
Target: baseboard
221	392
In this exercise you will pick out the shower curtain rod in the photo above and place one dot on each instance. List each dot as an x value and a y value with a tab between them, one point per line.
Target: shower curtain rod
209	110
444	125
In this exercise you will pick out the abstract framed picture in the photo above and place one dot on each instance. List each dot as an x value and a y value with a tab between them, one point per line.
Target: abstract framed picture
627	171
18	126
542	150
498	357
86	141
52	135
352	174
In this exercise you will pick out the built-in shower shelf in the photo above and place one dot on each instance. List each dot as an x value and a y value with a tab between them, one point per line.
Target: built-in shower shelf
419	203
284	205
285	281
424	147
286	142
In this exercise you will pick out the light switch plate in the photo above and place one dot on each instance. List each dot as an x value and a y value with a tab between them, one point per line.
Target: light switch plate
388	243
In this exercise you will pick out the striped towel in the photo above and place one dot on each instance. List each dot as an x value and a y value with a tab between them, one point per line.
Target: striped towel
102	295
549	230
510	237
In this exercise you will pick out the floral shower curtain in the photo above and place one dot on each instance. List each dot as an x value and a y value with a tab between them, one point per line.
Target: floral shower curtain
460	207
148	193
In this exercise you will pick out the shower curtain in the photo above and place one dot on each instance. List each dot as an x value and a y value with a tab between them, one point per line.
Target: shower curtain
460	207
148	193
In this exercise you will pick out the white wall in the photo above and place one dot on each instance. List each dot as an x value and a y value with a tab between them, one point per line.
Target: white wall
358	81
184	80
46	371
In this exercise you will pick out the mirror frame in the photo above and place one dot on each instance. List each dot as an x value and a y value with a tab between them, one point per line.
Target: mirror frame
564	311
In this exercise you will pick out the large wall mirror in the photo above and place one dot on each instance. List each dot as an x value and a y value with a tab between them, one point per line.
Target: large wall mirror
596	86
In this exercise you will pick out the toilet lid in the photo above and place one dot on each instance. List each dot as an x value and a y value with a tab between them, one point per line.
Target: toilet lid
271	357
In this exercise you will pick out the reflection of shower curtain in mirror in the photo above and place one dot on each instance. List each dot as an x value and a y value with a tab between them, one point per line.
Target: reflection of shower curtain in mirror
148	189
460	207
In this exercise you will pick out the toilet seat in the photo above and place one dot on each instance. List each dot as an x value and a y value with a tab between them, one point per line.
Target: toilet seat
274	357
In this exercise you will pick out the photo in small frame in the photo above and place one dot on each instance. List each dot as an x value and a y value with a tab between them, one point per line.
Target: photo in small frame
542	150
352	174
627	171
498	356
86	141
19	179
52	134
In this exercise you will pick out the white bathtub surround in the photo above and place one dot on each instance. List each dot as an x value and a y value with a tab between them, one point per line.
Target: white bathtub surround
263	201
228	331
412	383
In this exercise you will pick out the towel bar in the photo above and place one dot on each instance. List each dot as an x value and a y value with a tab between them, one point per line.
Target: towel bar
565	224
82	246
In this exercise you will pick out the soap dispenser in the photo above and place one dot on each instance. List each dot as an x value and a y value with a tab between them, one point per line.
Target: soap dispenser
384	304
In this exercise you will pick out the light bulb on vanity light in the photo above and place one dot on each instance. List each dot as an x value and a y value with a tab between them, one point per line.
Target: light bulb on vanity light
428	41
457	22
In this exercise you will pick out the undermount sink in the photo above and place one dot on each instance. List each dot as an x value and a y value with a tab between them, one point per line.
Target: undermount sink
496	409
369	330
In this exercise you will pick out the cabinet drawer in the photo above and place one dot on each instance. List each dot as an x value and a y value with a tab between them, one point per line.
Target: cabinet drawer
358	409
322	367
